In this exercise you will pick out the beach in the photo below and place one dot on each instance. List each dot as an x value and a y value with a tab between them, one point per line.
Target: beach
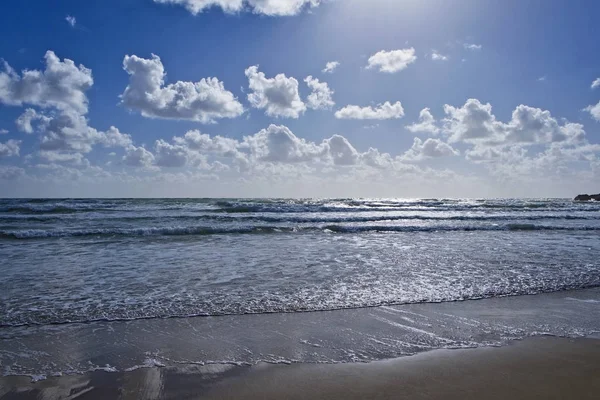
299	199
541	367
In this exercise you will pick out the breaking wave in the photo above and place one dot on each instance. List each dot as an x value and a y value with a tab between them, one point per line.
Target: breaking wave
207	230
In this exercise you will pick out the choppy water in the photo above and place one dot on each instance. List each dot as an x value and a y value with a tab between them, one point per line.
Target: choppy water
88	260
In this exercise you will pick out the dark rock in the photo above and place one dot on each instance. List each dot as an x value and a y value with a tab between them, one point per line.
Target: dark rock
588	197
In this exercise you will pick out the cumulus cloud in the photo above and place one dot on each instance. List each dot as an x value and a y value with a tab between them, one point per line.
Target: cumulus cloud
70	132
426	124
280	7
594	111
483	154
321	95
204	101
472	46
383	111
279	144
61	85
60	92
341	152
596	83
114	138
331	66
430	148
436	56
3	131
25	121
275	145
10	148
392	61
138	157
53	156
265	7
531	125
204	143
474	122
278	96
170	155
71	20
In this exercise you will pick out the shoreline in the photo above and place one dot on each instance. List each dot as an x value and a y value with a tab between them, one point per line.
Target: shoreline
330	338
534	367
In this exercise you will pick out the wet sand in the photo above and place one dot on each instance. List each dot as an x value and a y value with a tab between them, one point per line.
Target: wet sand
535	368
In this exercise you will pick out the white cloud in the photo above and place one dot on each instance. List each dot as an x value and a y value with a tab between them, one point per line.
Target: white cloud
279	96
436	56
392	61
169	155
596	83
3	131
341	152
138	157
373	126
472	46
280	7
481	154
330	67
431	148
320	97
383	111
10	148
542	78
475	123
265	7
594	111
61	85
114	138
9	172
531	125
426	124
279	144
70	132
204	143
71	20
63	157
25	121
275	145
204	101
60	91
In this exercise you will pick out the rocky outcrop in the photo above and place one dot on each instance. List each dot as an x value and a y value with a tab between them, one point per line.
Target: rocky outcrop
588	197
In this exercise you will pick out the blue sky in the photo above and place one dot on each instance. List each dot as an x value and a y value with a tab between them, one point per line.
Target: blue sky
538	59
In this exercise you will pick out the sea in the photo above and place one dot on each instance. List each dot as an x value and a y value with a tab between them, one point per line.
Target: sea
120	284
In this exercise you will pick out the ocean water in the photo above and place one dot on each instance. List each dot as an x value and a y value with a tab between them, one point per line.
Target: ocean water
149	265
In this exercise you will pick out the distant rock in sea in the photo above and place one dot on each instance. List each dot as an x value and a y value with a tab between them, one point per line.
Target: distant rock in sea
588	197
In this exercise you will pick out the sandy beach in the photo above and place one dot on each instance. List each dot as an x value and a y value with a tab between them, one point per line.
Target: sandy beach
540	367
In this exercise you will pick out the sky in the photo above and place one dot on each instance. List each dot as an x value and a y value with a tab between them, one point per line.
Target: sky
299	98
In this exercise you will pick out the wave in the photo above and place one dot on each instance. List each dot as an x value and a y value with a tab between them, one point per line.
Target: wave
242	206
52	210
207	309
319	219
207	230
391	208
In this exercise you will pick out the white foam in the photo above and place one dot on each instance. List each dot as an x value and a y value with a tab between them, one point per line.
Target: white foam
148	363
592	301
